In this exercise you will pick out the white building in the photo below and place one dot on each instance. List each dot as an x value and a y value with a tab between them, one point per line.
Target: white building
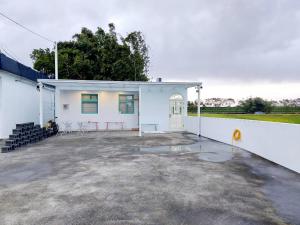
19	96
127	105
26	96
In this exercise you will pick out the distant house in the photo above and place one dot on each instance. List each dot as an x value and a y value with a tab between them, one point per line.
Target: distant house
228	102
19	95
220	102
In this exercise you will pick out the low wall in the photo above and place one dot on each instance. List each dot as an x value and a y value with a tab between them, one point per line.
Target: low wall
277	142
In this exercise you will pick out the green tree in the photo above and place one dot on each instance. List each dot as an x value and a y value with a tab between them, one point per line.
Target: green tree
192	106
97	55
252	105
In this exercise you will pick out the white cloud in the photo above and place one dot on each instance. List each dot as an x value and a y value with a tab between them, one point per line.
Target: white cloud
238	40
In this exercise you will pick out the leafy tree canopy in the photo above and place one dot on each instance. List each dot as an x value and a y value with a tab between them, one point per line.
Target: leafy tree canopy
97	56
257	104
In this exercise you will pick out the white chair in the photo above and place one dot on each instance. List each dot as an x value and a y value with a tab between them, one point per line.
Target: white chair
67	127
82	127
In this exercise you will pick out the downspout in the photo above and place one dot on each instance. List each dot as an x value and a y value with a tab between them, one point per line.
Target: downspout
139	113
41	104
199	87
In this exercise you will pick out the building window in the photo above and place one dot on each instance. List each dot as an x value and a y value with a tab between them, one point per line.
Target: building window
89	103
126	104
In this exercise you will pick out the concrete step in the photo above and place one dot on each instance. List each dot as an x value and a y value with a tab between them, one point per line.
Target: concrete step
6	149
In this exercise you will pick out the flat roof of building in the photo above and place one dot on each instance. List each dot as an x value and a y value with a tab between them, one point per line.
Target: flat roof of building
83	83
14	67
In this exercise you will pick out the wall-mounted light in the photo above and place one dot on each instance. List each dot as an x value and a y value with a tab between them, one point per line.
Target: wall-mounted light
198	87
38	87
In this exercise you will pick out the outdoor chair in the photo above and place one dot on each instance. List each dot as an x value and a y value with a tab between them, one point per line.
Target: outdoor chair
82	127
67	127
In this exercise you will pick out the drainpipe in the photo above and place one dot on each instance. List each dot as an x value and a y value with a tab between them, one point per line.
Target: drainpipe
139	113
41	104
199	87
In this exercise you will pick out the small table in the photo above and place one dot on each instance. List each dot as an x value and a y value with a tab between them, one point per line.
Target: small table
121	123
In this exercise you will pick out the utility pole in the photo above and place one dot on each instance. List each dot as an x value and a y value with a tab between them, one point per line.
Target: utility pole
56	61
134	70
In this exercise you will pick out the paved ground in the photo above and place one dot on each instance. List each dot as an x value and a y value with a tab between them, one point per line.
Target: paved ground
170	179
1	142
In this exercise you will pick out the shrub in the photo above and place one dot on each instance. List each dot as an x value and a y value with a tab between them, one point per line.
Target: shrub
252	105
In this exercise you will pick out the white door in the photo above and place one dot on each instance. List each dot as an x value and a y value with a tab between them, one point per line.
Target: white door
176	112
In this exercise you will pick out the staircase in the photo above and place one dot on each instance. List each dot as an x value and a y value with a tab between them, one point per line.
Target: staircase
27	133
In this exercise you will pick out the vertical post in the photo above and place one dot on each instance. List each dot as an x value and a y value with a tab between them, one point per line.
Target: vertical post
198	110
41	105
57	104
56	62
139	113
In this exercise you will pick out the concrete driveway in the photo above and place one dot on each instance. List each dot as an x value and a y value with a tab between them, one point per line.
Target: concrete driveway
117	178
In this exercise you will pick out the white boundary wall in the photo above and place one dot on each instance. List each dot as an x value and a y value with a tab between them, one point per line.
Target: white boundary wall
19	102
277	142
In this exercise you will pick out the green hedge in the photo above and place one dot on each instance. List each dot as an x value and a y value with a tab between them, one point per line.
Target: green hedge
239	110
233	110
285	109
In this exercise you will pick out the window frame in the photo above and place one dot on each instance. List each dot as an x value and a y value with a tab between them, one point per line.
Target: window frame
126	101
89	101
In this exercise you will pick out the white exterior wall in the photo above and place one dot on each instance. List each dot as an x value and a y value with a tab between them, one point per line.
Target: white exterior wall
277	142
19	102
108	110
154	108
1	107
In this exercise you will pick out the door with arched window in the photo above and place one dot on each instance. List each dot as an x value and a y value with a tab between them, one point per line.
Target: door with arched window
176	112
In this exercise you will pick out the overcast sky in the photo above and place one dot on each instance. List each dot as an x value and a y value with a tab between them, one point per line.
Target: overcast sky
238	48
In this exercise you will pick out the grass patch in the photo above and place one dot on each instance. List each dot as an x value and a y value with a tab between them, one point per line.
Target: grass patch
280	118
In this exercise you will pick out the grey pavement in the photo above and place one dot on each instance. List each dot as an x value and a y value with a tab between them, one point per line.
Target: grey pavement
118	178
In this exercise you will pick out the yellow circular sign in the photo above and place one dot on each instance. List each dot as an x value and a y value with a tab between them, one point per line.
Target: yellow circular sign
237	135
